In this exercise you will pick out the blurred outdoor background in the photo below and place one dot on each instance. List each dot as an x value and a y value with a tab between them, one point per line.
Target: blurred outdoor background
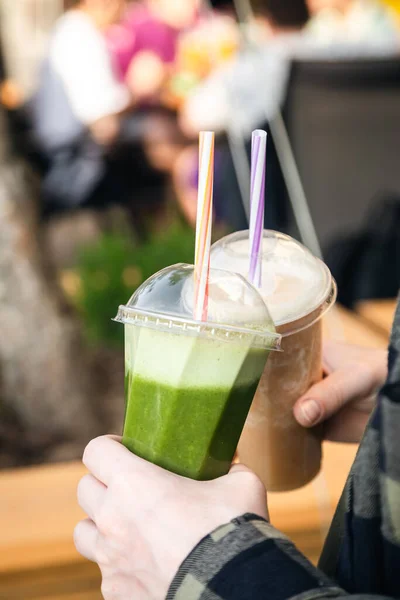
101	102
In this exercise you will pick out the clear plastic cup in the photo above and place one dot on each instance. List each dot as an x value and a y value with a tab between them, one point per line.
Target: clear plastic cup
298	290
190	384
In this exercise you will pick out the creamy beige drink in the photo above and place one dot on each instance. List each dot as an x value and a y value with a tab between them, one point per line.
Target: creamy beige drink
298	289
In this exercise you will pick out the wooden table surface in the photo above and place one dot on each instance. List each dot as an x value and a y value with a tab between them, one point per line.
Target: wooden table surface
38	510
378	314
341	324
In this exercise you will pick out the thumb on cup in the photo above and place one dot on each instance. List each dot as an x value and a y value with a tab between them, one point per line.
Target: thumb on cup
326	398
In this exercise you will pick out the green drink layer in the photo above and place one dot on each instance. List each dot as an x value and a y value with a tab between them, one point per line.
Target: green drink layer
196	430
187	399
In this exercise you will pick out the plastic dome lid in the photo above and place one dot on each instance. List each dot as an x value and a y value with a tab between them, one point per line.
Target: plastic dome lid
294	282
236	310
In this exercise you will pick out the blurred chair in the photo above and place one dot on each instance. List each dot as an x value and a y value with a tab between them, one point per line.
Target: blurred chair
343	122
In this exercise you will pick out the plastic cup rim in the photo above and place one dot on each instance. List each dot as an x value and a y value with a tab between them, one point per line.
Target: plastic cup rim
180	325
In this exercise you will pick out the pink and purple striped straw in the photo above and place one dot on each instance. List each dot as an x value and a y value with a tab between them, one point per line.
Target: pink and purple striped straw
257	200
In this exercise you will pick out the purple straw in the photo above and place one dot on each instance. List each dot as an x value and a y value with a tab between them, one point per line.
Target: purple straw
258	166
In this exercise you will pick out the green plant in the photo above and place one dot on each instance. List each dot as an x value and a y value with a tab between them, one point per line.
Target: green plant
113	268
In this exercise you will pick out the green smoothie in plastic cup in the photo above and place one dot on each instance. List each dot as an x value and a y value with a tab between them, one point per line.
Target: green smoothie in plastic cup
190	384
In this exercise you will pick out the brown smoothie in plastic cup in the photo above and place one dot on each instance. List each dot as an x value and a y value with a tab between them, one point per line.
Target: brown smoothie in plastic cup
298	290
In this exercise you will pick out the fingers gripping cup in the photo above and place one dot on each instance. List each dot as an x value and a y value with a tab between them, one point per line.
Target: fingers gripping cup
298	289
190	384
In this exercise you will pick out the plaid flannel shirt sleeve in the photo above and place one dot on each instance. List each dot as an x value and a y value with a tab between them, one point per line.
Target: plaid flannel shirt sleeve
247	559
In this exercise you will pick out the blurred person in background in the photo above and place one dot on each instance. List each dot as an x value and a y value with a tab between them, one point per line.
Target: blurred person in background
162	39
240	94
163	49
81	115
367	21
144	44
248	92
79	63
